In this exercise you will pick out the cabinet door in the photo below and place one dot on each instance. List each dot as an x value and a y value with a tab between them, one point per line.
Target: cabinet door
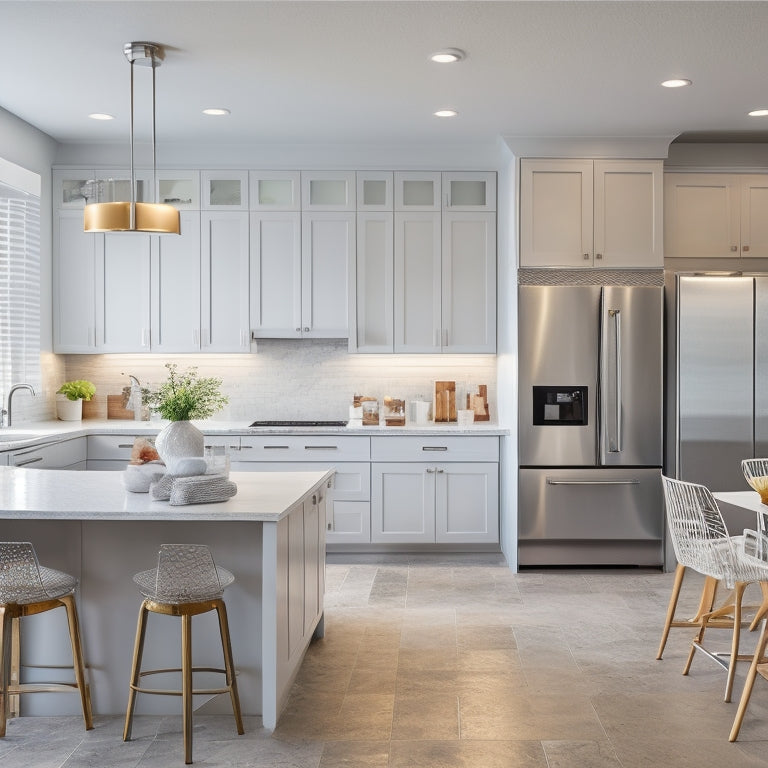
176	288
327	248
123	293
467	503
754	216
628	214
74	275
69	188
701	215
469	282
468	191
328	190
418	191
375	190
275	274
224	324
224	190
180	189
402	503
556	213
417	282
371	295
274	190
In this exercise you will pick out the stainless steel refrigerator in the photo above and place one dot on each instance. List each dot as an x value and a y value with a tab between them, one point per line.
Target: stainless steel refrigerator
720	363
590	425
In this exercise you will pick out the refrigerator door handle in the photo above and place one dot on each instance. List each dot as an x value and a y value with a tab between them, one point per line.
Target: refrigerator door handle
614	440
625	481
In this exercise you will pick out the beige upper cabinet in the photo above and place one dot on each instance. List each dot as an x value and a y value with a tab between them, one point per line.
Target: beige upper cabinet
591	213
714	215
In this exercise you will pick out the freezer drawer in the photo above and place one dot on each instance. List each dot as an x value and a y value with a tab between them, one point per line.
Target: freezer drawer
578	504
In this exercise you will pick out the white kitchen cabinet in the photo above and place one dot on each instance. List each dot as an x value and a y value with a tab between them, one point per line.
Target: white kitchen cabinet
65	454
715	215
469	191
74	284
328	191
327	248
371	284
375	190
224	190
181	189
585	213
275	274
74	188
418	191
453	498
274	190
224	320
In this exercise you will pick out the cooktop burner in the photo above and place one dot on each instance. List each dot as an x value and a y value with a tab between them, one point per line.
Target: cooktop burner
308	423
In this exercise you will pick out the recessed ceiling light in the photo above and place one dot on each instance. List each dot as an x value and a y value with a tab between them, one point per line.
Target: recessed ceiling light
100	116
676	83
216	111
446	113
758	113
448	55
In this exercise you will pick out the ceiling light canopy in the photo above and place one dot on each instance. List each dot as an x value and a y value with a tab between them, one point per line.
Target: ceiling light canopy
448	55
131	216
677	82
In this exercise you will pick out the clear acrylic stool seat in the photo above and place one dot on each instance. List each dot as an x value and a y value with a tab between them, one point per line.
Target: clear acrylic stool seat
185	583
26	589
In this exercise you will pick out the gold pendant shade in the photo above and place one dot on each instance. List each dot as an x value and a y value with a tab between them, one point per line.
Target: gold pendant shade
132	216
116	217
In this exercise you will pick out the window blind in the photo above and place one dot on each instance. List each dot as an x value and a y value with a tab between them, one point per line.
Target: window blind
19	289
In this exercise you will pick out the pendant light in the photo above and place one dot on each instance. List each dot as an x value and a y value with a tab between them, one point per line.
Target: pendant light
132	216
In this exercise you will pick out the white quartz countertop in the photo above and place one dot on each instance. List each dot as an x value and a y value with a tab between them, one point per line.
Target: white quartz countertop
36	433
51	494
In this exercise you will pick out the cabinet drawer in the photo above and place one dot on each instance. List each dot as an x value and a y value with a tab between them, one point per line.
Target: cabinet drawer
112	446
437	448
55	456
322	448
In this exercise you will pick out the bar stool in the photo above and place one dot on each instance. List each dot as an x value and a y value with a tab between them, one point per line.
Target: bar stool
27	588
185	583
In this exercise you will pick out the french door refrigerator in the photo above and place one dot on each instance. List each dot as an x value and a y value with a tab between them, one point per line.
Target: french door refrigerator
590	425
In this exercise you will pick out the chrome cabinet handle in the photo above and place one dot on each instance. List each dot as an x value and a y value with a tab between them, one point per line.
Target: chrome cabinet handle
28	461
626	481
321	447
275	447
615	314
434	447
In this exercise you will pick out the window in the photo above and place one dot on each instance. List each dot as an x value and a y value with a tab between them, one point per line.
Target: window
19	288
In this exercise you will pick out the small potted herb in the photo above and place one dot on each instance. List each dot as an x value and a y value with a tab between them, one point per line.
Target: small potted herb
69	399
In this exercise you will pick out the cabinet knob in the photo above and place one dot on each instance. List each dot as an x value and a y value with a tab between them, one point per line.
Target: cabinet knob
586	256
734	248
598	255
306	329
298	330
745	248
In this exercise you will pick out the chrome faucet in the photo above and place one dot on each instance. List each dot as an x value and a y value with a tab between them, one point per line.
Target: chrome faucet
8	409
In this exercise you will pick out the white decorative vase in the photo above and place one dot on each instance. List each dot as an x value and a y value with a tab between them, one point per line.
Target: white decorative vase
179	440
68	410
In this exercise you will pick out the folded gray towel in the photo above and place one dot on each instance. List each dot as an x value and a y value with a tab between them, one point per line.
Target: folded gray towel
201	489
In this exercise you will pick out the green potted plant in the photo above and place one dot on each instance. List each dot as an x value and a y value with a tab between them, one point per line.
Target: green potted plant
181	397
69	399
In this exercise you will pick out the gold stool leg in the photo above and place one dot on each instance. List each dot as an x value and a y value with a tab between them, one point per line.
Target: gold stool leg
186	684
138	650
229	665
5	664
679	574
757	660
78	662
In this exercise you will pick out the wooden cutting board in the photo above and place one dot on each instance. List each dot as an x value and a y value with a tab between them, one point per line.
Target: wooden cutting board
444	407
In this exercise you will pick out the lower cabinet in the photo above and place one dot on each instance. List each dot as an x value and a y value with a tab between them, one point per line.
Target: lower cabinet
67	454
435	503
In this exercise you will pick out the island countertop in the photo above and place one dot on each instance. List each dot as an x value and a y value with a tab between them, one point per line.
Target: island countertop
52	494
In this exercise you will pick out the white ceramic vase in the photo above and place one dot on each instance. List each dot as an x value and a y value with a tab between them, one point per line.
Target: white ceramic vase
179	440
68	410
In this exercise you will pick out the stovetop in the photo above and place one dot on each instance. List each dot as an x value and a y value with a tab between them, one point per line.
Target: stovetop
304	423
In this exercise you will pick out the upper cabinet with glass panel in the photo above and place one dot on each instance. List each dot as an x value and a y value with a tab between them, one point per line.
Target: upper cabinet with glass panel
464	191
224	190
181	189
417	191
328	191
78	188
275	190
375	190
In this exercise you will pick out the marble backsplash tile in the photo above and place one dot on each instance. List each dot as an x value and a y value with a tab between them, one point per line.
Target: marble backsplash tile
284	379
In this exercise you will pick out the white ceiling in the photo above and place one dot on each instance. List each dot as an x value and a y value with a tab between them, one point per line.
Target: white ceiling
358	71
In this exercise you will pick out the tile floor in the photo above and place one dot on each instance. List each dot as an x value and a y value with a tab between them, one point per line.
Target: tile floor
460	663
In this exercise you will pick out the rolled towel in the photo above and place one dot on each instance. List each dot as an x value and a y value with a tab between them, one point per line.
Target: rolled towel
204	489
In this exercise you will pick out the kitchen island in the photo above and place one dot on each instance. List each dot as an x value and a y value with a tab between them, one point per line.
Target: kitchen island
271	535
